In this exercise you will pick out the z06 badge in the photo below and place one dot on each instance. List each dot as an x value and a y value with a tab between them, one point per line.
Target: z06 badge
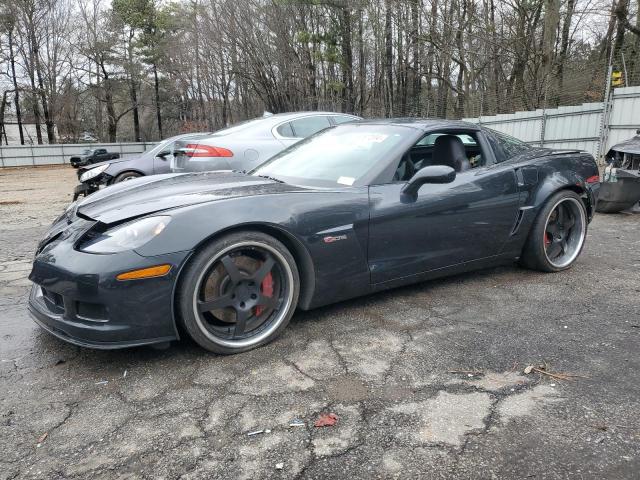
334	238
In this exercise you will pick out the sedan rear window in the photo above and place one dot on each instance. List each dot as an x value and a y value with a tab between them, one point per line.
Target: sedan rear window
304	127
285	130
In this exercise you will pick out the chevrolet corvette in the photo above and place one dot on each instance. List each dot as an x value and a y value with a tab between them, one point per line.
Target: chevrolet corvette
227	257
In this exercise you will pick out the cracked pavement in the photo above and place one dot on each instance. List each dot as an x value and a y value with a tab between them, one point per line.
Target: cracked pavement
427	381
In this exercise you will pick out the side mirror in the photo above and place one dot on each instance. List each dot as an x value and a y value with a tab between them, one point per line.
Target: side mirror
163	154
432	174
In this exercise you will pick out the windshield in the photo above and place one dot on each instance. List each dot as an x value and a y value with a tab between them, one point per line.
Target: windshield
338	156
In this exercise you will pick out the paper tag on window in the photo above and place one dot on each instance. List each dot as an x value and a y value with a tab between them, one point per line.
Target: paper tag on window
346	180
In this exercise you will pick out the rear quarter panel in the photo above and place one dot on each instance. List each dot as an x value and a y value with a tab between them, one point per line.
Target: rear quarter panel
543	173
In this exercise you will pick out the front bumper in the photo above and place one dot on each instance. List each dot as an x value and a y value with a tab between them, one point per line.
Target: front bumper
77	298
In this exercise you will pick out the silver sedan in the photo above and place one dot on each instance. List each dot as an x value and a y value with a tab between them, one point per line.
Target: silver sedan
248	144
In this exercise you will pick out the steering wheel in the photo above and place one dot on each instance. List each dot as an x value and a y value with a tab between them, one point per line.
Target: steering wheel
405	169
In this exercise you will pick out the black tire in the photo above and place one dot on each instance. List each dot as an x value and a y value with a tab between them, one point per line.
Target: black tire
124	176
560	227
226	307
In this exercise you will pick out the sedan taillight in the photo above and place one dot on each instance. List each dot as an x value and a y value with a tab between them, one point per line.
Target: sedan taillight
198	150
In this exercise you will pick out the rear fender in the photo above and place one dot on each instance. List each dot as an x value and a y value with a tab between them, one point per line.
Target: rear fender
555	173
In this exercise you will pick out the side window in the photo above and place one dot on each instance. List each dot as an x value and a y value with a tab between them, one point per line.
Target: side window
338	119
458	150
496	147
101	151
285	130
307	126
510	146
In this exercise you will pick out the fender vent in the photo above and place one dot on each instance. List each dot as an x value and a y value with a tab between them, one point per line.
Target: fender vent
519	218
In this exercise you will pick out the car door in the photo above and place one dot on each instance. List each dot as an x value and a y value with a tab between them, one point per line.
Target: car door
447	224
164	163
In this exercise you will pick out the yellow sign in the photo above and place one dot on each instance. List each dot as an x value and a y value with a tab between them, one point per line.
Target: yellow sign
616	79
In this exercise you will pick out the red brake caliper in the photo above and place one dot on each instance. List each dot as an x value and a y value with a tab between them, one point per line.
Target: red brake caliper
266	287
547	239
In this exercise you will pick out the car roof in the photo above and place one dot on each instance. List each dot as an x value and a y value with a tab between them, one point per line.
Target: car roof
292	115
421	123
278	118
263	126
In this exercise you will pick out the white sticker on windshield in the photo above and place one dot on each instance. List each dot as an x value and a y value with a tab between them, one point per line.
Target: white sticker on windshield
346	180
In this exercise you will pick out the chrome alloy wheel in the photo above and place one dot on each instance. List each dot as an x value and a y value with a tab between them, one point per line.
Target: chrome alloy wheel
564	232
243	294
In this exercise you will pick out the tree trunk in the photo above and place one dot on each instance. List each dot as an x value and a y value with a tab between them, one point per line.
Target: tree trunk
433	33
388	40
156	87
133	89
51	133
622	11
347	61
605	51
415	79
551	20
564	48
16	97
36	109
362	68
2	108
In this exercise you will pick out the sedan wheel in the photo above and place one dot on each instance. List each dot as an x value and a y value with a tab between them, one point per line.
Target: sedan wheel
125	176
558	234
239	292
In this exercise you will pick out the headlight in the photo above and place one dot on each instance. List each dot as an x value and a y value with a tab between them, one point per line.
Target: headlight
127	236
94	172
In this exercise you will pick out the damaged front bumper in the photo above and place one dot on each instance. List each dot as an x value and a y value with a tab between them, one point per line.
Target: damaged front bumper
77	297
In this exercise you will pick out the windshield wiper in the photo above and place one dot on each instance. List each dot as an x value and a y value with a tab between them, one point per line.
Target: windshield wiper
270	178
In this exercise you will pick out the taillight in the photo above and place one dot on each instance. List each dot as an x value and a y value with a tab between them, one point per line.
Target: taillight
197	150
593	179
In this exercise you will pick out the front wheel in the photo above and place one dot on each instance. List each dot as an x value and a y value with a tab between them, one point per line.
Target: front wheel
238	293
558	233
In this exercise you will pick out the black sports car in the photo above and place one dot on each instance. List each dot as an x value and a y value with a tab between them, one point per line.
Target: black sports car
354	209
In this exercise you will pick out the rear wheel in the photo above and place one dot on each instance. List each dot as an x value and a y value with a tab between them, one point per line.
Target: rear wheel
558	234
124	176
239	292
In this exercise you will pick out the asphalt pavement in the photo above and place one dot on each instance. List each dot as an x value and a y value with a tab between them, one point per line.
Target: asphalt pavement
426	381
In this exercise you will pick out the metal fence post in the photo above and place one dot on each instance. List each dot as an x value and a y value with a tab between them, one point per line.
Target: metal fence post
543	127
604	121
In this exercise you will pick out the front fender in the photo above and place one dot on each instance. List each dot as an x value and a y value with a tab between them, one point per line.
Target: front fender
327	230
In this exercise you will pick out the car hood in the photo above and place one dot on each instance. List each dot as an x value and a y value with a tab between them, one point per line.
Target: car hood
155	193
